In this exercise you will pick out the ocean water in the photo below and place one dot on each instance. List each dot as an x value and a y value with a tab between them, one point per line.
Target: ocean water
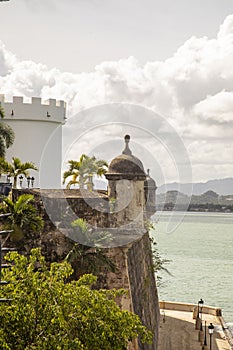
200	247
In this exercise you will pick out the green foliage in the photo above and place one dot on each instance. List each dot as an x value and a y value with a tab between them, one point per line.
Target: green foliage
47	313
7	135
87	235
15	168
158	262
24	215
89	260
149	225
87	253
82	171
81	224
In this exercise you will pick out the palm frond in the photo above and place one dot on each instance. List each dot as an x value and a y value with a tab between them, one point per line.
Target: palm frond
84	169
18	165
7	133
9	204
23	201
81	224
2	147
29	165
71	183
24	215
2	113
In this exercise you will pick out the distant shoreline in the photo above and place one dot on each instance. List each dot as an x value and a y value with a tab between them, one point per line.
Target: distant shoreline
209	201
196	210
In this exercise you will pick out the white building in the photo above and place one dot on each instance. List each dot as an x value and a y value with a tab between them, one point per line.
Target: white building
38	137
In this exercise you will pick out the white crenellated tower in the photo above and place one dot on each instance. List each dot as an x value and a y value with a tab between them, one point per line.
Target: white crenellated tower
38	136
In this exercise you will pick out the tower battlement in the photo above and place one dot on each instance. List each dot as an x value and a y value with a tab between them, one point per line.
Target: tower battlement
48	111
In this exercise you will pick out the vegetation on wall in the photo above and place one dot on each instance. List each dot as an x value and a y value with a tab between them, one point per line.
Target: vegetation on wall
47	313
87	253
159	263
81	172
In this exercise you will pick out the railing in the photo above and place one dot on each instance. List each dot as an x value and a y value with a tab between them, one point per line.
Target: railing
169	305
226	331
193	308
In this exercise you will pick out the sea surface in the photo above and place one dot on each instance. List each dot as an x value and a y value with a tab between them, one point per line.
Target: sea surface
200	247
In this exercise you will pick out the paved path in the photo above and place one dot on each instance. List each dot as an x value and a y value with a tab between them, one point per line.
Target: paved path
177	332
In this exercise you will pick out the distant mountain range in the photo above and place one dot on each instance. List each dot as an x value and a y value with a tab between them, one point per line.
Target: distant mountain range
208	201
223	187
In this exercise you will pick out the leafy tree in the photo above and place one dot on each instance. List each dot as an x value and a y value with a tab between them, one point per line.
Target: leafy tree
24	216
7	135
15	168
47	313
82	171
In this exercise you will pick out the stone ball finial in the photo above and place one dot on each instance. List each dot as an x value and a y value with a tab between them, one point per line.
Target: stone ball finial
127	149
126	165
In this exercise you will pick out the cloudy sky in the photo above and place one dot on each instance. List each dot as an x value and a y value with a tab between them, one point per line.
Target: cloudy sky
164	67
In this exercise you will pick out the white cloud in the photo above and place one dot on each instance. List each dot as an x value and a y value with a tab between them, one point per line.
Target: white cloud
193	89
226	29
217	108
7	60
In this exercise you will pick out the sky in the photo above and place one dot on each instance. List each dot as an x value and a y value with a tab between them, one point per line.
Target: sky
159	70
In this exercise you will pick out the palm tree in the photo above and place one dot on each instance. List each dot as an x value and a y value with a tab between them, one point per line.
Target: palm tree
76	173
24	216
82	171
7	135
94	167
15	168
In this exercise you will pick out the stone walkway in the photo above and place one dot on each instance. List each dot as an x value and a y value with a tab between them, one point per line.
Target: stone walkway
177	332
